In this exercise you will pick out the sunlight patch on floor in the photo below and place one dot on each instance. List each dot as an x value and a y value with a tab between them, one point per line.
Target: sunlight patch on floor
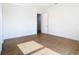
45	51
35	49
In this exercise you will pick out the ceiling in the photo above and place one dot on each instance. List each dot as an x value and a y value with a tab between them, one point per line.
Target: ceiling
38	5
43	5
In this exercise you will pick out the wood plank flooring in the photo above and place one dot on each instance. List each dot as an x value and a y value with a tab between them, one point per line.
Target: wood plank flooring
63	46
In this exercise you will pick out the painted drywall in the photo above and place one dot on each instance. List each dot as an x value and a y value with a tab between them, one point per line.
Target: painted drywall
19	20
63	20
1	28
44	23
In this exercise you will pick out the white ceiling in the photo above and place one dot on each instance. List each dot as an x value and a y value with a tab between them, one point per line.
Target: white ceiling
38	5
43	5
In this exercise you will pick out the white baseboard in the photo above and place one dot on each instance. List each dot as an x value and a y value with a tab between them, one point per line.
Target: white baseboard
17	36
68	36
1	47
0	52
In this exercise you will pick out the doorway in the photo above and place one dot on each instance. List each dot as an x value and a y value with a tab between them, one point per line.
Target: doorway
38	23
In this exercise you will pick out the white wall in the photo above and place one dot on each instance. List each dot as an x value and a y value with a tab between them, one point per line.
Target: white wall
1	28
44	23
63	20
19	20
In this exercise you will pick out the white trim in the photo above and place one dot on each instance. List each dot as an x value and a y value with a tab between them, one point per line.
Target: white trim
1	46
0	52
64	36
19	36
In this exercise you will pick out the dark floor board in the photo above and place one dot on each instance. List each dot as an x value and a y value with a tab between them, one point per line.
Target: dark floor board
60	45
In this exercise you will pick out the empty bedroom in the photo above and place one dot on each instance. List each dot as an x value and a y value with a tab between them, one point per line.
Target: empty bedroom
39	28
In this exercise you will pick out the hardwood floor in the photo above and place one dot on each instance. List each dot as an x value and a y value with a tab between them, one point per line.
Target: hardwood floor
60	45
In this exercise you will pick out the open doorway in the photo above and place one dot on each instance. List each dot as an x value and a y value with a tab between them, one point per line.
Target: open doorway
38	23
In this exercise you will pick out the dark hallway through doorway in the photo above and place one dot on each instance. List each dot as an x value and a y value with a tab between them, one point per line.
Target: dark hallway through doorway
38	23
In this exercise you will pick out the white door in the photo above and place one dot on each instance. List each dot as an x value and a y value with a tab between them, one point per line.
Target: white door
44	23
